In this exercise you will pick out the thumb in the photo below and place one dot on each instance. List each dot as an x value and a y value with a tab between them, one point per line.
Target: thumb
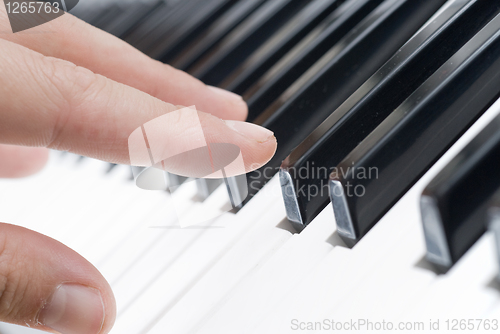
47	286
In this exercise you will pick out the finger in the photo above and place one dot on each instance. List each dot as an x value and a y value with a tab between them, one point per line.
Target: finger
71	39
53	103
19	161
47	286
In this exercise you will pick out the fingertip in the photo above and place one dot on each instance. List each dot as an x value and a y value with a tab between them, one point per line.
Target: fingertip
53	288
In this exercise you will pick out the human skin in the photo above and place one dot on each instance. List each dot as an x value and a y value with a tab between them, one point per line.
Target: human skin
68	86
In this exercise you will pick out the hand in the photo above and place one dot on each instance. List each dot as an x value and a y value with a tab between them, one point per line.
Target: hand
68	86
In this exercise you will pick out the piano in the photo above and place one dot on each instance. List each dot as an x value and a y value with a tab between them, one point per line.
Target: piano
379	212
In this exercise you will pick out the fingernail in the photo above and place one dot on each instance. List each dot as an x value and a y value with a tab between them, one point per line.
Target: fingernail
251	131
74	309
225	93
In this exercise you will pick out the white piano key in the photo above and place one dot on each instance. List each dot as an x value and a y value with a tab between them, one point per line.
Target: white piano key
25	192
63	217
111	195
134	246
411	249
450	294
145	237
307	299
192	263
160	256
39	216
261	291
105	240
223	277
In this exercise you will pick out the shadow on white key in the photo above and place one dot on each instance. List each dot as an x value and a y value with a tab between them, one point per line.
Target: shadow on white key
455	294
112	196
236	264
152	230
190	262
261	291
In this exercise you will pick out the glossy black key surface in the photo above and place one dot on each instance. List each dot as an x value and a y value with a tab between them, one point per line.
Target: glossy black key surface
132	17
305	173
236	47
170	43
215	33
272	84
163	19
86	12
276	47
454	204
312	98
107	15
406	144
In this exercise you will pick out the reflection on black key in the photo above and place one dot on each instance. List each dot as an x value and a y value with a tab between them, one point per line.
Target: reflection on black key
172	42
264	92
215	33
277	46
236	47
108	15
132	17
305	172
454	204
415	135
161	20
312	98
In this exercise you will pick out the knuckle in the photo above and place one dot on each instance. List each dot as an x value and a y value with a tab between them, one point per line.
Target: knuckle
70	86
72	83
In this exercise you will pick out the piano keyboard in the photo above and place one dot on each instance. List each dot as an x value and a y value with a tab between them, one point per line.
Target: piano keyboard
407	88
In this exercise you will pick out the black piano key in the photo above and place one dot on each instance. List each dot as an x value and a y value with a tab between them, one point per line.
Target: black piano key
163	19
132	17
454	204
237	46
108	15
363	111
406	144
171	43
215	33
167	31
341	71
283	41
272	84
86	12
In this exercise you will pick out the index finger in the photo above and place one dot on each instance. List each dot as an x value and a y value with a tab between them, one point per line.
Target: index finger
71	39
